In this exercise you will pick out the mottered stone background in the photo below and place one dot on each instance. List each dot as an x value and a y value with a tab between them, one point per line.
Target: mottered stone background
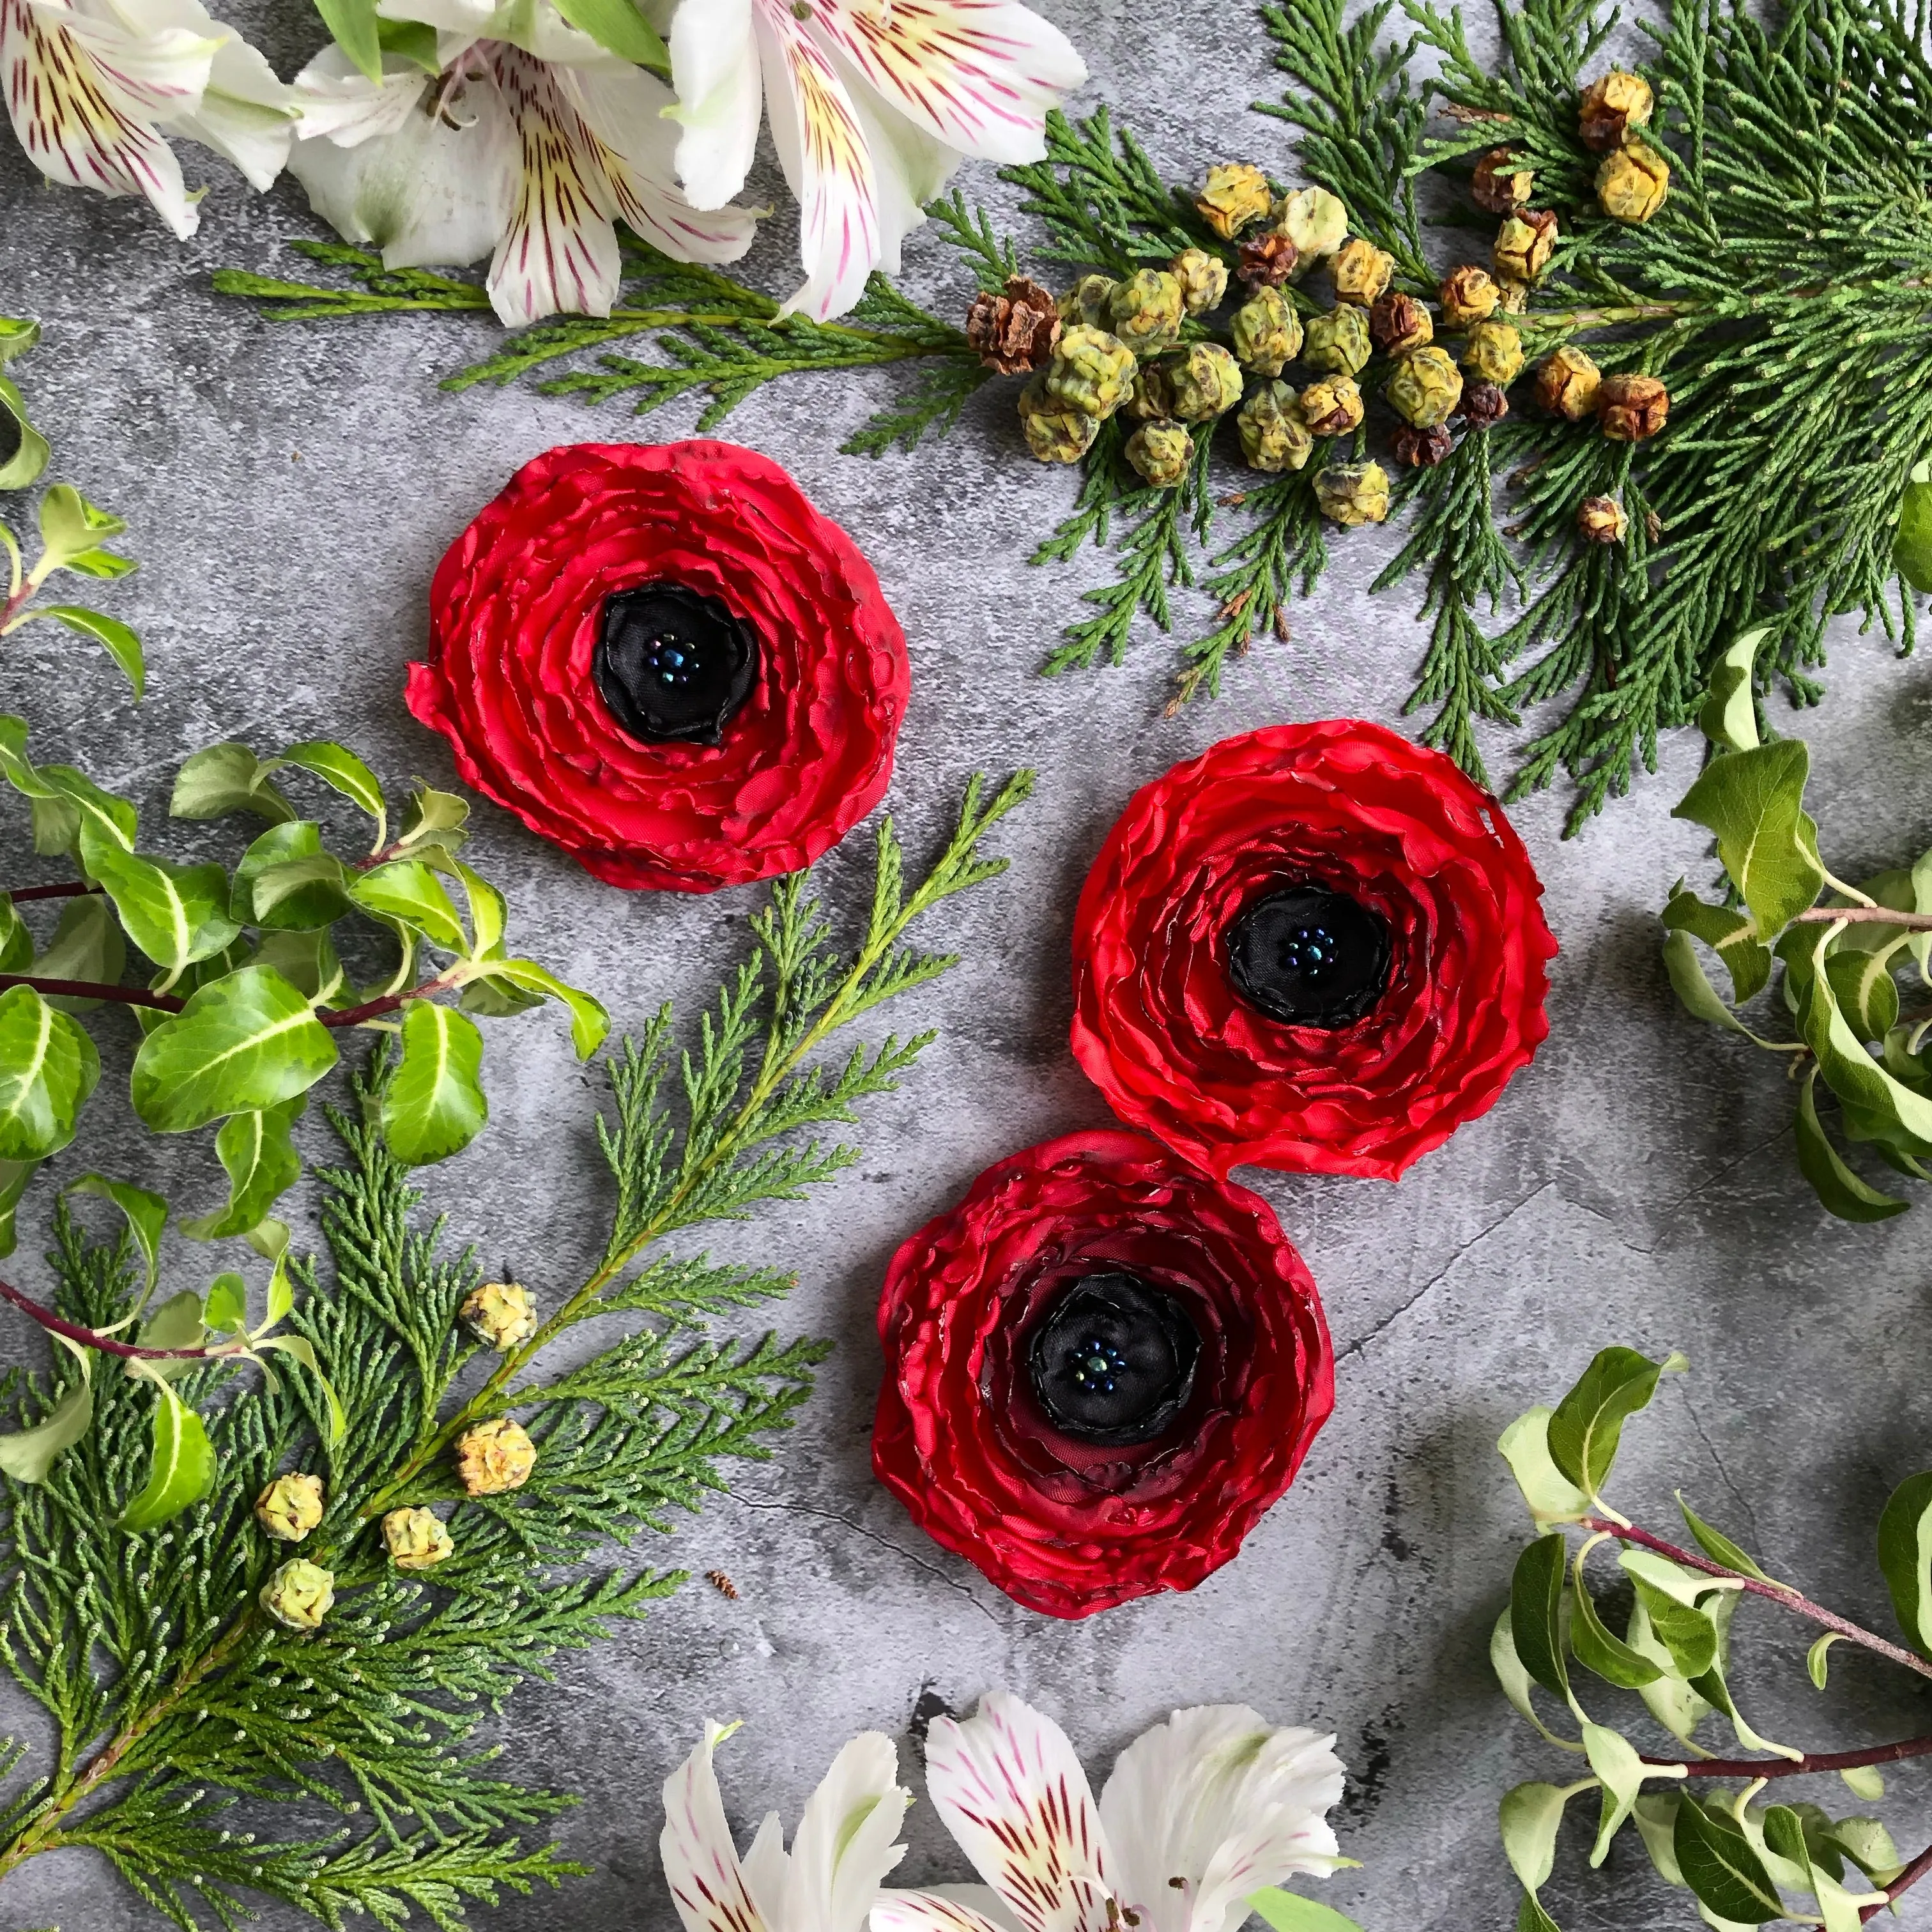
289	489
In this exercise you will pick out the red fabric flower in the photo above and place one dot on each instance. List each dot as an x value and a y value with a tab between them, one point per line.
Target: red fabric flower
517	610
966	1438
1339	808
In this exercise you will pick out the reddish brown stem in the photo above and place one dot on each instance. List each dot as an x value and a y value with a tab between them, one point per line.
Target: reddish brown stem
89	1338
167	1002
19	895
1785	1767
1904	1883
1778	1593
1906	922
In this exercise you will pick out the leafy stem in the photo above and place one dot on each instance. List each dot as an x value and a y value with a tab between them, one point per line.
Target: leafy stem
173	1002
1906	1749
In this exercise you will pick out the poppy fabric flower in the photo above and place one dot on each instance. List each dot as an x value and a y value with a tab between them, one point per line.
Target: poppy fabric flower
665	661
1315	947
1102	1367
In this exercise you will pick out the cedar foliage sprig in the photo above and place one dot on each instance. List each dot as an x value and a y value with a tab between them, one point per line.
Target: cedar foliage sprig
1723	1828
182	1710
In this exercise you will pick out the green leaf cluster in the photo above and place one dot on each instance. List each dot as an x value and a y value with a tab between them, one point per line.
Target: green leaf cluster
218	1759
1703	1818
1845	957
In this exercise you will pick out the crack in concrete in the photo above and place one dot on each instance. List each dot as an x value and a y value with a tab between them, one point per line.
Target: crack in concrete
952	1583
1474	1241
1737	1496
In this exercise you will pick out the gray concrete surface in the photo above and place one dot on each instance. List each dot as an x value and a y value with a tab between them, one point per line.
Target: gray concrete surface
289	491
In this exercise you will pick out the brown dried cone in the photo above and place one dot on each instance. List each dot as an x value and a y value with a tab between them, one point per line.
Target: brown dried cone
1468	294
1484	406
1268	260
1503	182
1422	449
1631	409
1567	381
1611	107
1601	519
1398	323
1015	331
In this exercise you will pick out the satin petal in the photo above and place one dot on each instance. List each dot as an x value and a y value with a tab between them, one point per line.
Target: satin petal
714	63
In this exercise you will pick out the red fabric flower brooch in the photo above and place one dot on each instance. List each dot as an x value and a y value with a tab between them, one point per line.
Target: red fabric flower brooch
1316	947
1102	1368
665	661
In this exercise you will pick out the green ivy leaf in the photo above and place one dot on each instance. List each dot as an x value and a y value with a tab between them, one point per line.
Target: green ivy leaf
413	39
589	1022
353	26
1817	1658
15	1175
48	1068
1615	1760
440	815
406	890
1850	1071
1865	1781
1536	1611
337	766
1866	1843
1588	1425
1289	1912
287	882
62	797
181	1470
1695	993
175	914
433	1105
18	333
1731	935
1753	801
27	1455
70	526
247	1043
489	917
1866	994
307	960
1728	717
1839	1190
117	639
1531	1916
1912	547
617	27
1597	1649
1719	1547
1720	1867
257	1152
146	1214
1655	1813
1689	1638
1515	1681
303	1350
1530	1816
1525	1446
87	945
17	942
227	1306
225	779
1905	1556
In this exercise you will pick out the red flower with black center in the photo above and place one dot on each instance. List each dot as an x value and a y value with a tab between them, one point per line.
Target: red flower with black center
1316	947
663	659
1102	1367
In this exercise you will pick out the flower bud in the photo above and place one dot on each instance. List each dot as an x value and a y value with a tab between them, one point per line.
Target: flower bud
1013	332
290	1507
1398	323
416	1539
1566	384
499	1314
1273	435
1267	332
1424	388
1494	353
1338	341
1632	182
1203	279
1631	409
1268	260
1601	519
1206	381
1422	449
299	1595
1152	398
1611	107
1468	294
1484	406
1160	453
1314	220
1236	197
1503	182
1091	371
1054	435
1086	302
1524	243
1146	310
494	1456
1333	407
1363	272
1353	493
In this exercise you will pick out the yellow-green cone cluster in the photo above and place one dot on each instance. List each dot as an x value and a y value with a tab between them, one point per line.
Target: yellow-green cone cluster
290	1507
416	1539
500	1315
495	1457
299	1595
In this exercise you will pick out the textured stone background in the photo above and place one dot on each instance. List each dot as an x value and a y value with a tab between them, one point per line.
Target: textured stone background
289	491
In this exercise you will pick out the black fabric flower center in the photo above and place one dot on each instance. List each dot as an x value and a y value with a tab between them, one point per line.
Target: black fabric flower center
1308	957
1113	1361
674	665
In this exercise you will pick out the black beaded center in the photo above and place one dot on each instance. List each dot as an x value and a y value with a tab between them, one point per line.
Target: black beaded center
1113	1362
10	434
1308	957
673	664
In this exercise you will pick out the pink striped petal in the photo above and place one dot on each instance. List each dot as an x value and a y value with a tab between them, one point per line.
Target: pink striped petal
701	1864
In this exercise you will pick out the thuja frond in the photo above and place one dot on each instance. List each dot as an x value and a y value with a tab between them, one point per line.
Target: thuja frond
1281	555
186	1719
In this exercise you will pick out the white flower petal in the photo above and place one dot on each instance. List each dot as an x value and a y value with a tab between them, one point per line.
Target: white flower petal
765	1868
1225	1802
822	149
247	114
337	102
934	1911
701	1864
910	166
1010	1789
979	75
846	1841
75	124
560	252
152	75
714	64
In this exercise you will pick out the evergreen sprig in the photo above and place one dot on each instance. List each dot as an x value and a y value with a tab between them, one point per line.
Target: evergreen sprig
182	1710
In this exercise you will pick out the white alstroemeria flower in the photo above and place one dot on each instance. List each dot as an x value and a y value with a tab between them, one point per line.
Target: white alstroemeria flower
92	86
830	1880
872	102
1200	1812
529	148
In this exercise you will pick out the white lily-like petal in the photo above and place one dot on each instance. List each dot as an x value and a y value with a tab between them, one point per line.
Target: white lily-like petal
337	102
1010	1789
1214	1805
534	25
911	168
247	115
714	53
845	1845
933	1910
